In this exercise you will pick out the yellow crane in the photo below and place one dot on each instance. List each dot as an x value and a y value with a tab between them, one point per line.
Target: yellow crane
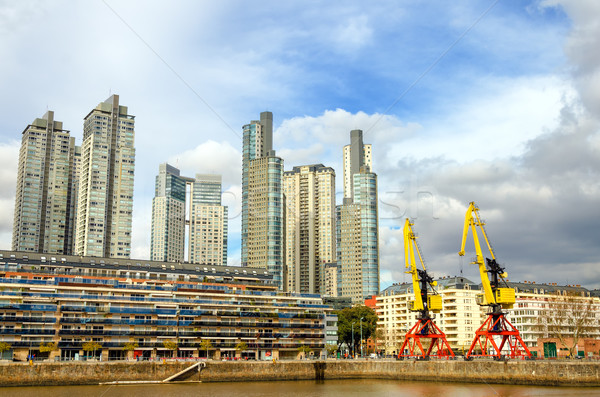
496	333
425	329
493	295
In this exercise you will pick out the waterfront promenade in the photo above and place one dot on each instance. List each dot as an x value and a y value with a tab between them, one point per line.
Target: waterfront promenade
549	373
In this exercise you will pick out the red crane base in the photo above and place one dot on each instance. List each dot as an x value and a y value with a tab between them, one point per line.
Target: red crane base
425	329
497	328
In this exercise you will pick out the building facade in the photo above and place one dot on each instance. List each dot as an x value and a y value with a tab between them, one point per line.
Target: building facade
43	217
536	306
356	156
167	240
310	226
263	243
459	319
105	198
180	202
332	280
208	222
133	308
358	223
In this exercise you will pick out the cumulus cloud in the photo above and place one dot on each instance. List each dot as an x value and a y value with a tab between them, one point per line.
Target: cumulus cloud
211	157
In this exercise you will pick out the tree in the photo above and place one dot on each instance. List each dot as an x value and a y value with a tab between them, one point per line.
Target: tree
171	345
205	344
91	347
241	346
305	350
48	347
130	346
349	319
4	347
331	349
568	319
378	335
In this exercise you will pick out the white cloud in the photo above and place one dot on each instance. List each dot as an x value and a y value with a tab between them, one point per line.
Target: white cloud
353	34
9	154
211	157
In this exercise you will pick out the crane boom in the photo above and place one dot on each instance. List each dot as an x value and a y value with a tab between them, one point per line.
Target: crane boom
420	278
493	295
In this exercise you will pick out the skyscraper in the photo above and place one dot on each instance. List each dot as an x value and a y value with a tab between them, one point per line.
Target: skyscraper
181	201
105	199
309	226
356	156
262	200
357	223
208	222
42	219
167	240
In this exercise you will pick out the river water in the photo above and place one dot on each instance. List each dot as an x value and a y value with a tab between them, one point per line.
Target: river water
345	388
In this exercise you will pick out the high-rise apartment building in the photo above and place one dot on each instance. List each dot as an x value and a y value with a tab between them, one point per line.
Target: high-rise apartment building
43	218
309	226
357	224
105	199
356	156
208	222
167	240
262	200
181	201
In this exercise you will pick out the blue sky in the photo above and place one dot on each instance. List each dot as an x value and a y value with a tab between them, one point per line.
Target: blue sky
507	117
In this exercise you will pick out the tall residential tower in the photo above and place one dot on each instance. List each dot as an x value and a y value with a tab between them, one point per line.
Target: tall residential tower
309	226
208	222
357	224
43	220
181	201
105	199
262	200
167	240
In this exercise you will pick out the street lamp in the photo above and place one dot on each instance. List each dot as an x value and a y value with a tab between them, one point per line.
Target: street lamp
353	340
361	338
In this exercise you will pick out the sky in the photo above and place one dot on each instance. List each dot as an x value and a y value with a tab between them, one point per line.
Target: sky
496	102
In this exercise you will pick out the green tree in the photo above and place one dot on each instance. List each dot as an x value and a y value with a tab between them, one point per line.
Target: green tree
349	319
206	344
130	346
48	347
331	349
92	347
171	345
241	346
305	350
4	347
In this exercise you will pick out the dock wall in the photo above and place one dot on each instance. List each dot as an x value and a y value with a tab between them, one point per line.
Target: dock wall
561	373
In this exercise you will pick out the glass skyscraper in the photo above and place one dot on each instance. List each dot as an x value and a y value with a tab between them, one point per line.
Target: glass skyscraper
357	223
262	200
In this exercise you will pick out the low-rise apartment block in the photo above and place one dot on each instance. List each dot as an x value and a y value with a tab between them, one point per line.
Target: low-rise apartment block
67	307
540	310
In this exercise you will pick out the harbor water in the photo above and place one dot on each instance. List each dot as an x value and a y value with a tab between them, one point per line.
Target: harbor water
345	388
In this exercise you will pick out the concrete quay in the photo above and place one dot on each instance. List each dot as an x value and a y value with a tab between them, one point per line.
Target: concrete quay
547	373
